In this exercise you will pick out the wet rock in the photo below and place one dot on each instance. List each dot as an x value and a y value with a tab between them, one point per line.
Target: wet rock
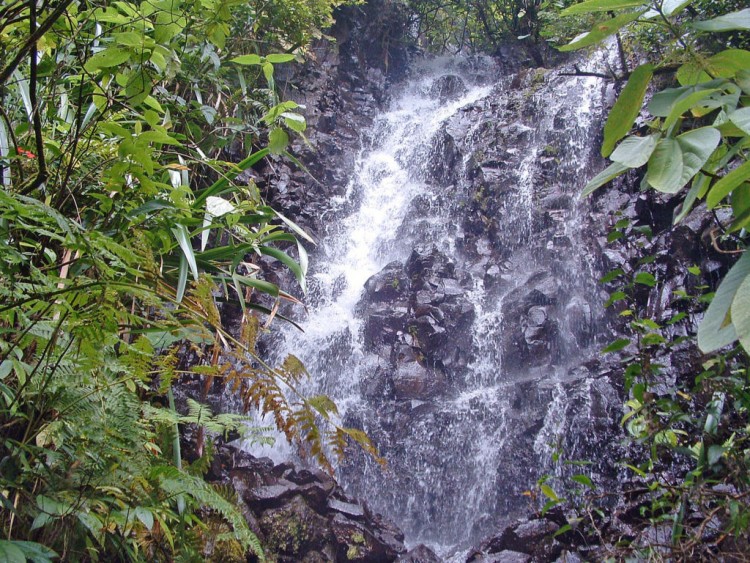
448	87
294	529
390	284
531	539
414	381
444	168
348	509
355	543
420	554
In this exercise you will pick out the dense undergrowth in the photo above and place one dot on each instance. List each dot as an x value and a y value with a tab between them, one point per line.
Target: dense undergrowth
688	425
122	231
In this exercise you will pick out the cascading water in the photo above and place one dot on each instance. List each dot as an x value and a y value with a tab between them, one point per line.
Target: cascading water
453	303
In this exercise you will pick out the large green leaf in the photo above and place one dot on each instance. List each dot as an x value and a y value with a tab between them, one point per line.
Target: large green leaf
11	553
665	167
686	103
663	102
716	330
724	187
247	60
740	311
741	118
276	58
729	63
728	22
36	552
740	207
277	140
697	146
608	174
600	6
109	57
627	107
634	152
675	161
602	30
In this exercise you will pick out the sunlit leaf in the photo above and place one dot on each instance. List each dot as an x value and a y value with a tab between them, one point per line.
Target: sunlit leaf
634	152
717	330
602	30
626	108
728	22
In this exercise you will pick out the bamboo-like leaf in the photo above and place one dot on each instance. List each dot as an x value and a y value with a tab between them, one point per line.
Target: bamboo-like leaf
183	239
296	228
182	278
260	285
220	185
289	262
22	85
5	179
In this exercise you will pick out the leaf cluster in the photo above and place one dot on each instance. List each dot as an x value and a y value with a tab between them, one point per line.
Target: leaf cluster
124	232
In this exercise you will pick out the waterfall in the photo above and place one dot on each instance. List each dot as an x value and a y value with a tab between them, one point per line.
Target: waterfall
453	302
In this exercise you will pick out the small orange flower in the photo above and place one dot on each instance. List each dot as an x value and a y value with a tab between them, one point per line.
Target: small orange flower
27	154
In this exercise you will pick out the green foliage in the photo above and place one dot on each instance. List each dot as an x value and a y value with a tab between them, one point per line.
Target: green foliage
122	231
692	463
474	26
698	135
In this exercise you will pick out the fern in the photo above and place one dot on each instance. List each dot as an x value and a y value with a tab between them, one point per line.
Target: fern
175	482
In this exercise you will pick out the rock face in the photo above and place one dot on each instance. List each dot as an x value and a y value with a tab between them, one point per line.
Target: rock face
303	515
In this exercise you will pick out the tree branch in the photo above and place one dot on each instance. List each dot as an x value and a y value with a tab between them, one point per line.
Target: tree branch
32	40
36	118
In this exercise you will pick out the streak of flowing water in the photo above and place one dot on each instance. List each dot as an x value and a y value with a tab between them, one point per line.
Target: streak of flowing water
459	460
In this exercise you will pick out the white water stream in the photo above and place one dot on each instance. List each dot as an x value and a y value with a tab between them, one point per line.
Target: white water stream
450	466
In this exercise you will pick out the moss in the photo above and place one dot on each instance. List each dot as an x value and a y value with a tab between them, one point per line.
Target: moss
550	150
355	550
287	532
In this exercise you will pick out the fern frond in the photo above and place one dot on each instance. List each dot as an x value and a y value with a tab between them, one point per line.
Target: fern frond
175	482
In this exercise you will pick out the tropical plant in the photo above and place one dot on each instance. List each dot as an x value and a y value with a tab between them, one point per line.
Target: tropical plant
689	469
699	133
476	26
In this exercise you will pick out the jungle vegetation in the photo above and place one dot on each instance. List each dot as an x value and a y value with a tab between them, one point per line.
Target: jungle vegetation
124	229
123	232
